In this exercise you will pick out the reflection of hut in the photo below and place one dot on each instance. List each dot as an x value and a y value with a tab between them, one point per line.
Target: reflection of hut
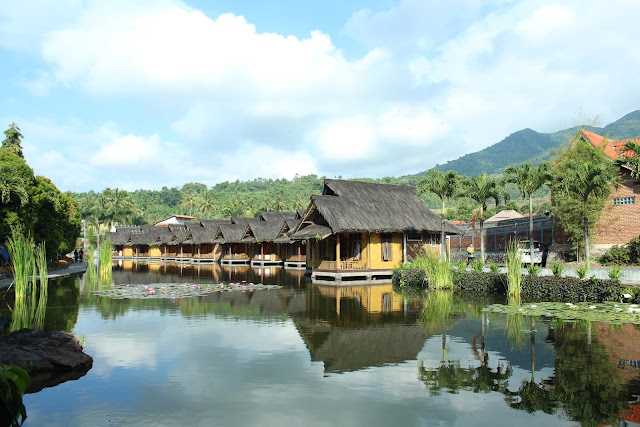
234	251
359	231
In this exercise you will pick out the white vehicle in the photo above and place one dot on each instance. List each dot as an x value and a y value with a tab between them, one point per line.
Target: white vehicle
523	250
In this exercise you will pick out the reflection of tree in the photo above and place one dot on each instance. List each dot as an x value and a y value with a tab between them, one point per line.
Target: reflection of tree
515	322
589	388
437	314
451	377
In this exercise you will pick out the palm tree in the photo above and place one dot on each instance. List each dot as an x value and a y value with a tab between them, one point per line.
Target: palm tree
592	178
207	203
529	179
189	199
443	185
122	208
279	203
631	158
11	183
481	188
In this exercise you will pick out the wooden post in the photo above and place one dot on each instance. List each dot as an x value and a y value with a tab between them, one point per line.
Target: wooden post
338	252
368	250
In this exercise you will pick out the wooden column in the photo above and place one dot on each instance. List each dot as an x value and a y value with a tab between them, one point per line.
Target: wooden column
262	250
368	250
338	252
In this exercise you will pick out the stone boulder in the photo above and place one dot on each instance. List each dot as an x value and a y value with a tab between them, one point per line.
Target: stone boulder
50	357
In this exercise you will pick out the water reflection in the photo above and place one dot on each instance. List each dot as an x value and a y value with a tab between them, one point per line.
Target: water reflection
366	345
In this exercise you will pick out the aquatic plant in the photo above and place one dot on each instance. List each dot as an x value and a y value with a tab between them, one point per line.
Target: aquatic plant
614	272
557	268
22	259
515	320
105	257
514	270
494	268
583	270
533	269
438	272
478	265
609	312
461	265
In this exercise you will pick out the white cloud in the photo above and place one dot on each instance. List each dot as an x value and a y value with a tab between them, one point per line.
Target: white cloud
129	150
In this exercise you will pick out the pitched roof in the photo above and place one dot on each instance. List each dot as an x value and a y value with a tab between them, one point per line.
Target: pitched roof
265	231
276	216
300	213
352	206
243	220
505	214
230	233
214	223
118	237
614	149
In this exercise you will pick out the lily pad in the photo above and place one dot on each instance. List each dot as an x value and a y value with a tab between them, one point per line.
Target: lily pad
608	312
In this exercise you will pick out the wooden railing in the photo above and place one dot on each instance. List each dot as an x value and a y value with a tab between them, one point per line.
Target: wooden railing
342	265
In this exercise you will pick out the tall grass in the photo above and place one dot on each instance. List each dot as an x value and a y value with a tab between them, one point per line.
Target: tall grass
105	257
28	262
438	272
514	269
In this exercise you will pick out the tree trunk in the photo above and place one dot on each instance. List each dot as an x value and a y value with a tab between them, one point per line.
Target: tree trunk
481	234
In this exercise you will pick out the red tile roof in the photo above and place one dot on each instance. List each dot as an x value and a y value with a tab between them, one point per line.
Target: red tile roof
613	149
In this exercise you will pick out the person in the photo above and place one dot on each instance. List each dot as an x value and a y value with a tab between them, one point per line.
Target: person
470	254
75	255
81	254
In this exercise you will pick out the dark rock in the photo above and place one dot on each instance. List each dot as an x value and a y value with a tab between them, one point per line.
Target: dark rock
50	357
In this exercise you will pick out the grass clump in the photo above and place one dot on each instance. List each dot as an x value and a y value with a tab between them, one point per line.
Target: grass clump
534	270
438	272
582	271
614	272
514	270
478	265
494	268
105	257
557	268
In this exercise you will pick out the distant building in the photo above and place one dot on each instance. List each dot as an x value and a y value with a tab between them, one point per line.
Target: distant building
175	219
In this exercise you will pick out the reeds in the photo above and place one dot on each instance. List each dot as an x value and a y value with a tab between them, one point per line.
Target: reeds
438	272
514	270
105	257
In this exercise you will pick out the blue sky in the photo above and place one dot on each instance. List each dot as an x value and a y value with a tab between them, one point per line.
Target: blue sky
143	94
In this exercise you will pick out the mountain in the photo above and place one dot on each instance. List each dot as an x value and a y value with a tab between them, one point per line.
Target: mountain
527	145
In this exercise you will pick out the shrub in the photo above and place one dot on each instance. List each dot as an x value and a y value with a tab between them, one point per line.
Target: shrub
622	255
557	268
477	265
533	270
494	268
614	273
461	264
474	281
582	271
404	276
570	289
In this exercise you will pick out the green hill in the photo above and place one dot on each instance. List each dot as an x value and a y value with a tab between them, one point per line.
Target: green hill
534	147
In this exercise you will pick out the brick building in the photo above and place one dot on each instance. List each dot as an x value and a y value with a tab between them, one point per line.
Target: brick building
620	219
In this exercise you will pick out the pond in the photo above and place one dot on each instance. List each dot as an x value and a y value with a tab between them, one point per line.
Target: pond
295	353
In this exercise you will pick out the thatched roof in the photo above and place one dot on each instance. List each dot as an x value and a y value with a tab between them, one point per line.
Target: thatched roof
287	229
230	233
164	235
244	221
119	237
352	206
265	231
214	223
201	234
312	231
300	213
277	216
179	234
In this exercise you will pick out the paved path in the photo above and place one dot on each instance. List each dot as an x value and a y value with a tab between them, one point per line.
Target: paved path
76	268
628	276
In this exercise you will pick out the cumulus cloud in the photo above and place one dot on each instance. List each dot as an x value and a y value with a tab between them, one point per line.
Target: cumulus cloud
433	83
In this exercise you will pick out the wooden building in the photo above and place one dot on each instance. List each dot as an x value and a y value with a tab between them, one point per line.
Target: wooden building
234	251
359	231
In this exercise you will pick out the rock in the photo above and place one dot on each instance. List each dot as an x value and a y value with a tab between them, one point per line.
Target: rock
50	357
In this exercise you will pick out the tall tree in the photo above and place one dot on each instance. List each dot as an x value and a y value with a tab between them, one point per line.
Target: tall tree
12	184
13	140
529	179
445	186
482	189
584	180
189	199
207	203
279	203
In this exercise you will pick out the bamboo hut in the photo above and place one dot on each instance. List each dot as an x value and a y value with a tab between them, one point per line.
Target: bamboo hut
359	231
293	252
266	251
234	251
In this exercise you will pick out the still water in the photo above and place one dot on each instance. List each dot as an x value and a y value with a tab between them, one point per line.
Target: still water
318	355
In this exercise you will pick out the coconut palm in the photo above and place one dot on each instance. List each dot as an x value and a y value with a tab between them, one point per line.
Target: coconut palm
482	189
207	203
279	203
443	185
11	183
592	178
529	179
189	199
121	208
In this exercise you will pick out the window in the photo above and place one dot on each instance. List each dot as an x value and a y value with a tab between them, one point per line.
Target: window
434	240
414	237
386	247
624	200
352	246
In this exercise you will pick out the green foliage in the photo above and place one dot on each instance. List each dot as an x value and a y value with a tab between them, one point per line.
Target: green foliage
105	257
533	270
494	268
569	289
622	255
514	269
473	281
13	141
408	276
557	268
614	273
583	270
477	265
13	385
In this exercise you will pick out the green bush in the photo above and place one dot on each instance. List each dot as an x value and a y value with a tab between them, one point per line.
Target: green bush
533	270
622	255
614	272
557	268
474	281
569	289
408	277
13	384
494	268
477	265
582	271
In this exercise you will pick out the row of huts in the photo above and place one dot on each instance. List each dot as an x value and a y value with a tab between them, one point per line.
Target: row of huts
353	231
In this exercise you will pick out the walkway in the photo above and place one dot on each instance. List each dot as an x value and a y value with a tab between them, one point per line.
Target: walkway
76	268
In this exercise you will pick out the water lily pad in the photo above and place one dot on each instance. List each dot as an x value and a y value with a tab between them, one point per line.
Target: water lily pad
608	312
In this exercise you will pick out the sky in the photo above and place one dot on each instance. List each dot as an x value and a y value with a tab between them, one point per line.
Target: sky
145	94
